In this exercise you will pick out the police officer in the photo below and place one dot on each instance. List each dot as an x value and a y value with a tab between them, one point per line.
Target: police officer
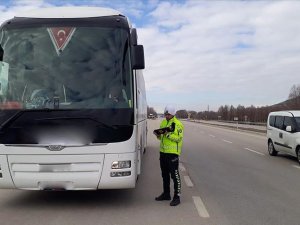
170	149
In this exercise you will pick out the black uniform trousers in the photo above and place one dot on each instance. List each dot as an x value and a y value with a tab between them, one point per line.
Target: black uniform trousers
169	166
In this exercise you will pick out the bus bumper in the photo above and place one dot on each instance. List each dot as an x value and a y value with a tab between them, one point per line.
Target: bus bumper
66	172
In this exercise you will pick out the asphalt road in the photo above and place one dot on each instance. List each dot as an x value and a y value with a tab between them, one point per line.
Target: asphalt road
238	181
228	178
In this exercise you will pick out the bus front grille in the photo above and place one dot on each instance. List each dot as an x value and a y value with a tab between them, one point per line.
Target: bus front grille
70	172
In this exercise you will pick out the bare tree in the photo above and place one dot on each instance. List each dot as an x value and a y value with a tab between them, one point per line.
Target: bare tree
241	113
200	116
192	114
295	91
183	114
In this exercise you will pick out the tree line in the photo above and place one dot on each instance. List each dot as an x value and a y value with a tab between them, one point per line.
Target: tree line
242	113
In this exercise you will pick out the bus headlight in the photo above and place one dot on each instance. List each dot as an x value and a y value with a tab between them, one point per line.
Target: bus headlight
121	164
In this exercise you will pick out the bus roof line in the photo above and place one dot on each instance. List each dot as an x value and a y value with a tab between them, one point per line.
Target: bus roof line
69	12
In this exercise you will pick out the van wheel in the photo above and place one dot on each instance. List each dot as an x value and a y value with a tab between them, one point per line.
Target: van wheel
271	149
298	154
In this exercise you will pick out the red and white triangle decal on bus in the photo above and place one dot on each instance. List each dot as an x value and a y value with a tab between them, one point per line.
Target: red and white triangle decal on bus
60	37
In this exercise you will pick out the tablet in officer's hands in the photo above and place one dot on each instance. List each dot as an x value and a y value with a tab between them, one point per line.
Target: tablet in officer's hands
159	132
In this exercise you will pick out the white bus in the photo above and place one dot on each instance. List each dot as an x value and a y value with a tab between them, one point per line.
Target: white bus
72	99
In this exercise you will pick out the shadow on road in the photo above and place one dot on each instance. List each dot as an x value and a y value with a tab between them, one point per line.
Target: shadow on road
288	157
36	199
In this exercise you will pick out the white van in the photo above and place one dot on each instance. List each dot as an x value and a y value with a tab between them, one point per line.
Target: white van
283	132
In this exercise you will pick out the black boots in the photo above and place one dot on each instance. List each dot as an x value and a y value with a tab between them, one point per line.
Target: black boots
175	201
163	197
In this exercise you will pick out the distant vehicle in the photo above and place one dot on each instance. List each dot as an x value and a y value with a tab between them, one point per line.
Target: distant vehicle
151	116
73	104
283	132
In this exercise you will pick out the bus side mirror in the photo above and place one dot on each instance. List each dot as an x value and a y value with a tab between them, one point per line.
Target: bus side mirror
1	53
137	57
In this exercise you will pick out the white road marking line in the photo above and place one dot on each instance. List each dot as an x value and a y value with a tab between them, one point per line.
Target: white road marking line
181	167
212	135
200	207
188	181
227	141
254	151
298	167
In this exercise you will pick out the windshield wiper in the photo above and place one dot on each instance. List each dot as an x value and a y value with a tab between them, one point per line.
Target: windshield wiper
80	118
21	112
11	119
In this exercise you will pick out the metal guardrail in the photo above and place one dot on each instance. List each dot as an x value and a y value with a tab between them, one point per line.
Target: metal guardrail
243	122
258	128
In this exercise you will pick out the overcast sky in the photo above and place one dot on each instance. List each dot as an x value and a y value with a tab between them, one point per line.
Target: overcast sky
201	53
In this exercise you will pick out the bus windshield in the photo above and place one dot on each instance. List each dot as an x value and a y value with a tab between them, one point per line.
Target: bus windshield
60	81
65	68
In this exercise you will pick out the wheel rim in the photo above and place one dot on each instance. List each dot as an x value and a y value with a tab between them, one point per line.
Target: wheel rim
271	148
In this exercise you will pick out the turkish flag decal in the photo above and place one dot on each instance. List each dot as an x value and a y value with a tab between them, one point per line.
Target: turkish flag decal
60	37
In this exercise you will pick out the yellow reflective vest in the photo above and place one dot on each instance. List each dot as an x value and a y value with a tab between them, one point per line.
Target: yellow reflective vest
171	142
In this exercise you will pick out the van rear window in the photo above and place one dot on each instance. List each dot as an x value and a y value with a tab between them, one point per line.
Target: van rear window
272	121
